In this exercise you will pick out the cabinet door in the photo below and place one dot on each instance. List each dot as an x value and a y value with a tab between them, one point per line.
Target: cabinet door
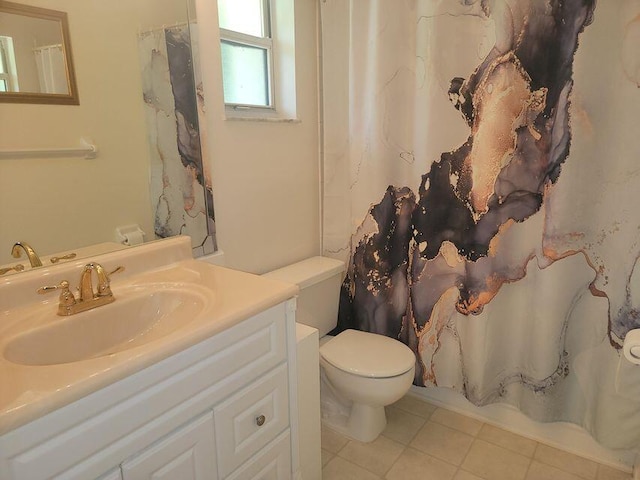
186	454
272	463
249	420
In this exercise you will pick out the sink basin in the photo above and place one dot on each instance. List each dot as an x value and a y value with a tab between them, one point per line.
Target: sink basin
138	316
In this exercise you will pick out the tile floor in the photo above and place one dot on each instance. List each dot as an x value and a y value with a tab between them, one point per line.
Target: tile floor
423	442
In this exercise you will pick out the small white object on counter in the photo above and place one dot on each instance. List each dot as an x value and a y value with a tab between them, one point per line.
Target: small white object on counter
130	235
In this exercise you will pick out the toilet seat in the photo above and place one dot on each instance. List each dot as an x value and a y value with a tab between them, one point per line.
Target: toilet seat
368	354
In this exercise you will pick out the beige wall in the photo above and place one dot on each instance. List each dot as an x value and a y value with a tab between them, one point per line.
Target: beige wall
265	175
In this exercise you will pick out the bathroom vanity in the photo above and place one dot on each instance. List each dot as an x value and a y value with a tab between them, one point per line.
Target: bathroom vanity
211	396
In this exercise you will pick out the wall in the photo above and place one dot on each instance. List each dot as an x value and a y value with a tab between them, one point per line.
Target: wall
265	175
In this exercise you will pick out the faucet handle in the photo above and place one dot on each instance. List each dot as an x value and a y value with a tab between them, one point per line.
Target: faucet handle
115	270
67	298
50	288
104	288
18	268
68	256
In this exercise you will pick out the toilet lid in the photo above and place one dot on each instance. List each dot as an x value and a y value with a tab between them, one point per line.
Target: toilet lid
368	354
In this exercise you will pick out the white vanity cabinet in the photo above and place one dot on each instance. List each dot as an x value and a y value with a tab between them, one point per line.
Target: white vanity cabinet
185	454
223	408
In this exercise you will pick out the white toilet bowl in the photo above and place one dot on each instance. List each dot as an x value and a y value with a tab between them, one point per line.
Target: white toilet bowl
370	371
361	372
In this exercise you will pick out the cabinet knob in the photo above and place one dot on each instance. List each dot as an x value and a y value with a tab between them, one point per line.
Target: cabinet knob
260	420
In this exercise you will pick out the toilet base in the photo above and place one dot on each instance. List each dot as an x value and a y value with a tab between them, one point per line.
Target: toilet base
354	420
364	423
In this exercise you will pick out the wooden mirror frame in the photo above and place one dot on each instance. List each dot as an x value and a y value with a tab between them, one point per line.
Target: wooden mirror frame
70	98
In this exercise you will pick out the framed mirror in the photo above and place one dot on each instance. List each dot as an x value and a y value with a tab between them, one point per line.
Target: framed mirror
36	64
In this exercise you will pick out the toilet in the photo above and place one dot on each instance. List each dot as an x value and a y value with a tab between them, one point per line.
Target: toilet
361	372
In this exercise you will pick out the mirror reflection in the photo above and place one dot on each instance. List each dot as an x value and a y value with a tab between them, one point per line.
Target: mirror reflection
142	104
35	56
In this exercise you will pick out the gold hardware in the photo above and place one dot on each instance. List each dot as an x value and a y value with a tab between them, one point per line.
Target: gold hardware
70	305
260	420
86	286
34	260
68	256
67	300
18	268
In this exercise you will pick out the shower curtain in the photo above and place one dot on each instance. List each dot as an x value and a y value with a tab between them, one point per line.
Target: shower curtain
481	180
52	72
180	182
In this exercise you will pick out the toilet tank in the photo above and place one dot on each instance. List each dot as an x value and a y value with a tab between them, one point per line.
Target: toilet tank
319	280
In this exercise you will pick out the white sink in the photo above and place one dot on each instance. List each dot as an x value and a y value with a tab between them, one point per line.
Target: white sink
139	315
165	302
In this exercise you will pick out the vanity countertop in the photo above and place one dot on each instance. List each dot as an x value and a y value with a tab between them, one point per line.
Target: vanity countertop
31	391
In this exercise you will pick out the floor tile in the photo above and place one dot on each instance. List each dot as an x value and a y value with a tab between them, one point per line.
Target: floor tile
510	441
332	441
608	473
462	475
402	426
415	405
495	463
454	420
413	464
442	442
541	471
340	469
376	456
326	455
440	439
566	461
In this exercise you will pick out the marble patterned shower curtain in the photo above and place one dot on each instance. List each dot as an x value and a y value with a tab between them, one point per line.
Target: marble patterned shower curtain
482	181
180	183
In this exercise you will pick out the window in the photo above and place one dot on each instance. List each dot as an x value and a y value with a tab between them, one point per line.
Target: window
247	59
8	74
257	41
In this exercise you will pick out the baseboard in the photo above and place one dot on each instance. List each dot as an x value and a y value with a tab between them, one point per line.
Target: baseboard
562	435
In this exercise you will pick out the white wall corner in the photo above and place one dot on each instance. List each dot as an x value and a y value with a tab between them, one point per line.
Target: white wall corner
216	258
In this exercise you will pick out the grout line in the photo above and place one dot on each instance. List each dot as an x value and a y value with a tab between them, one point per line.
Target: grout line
417	432
404	447
467	454
535	450
526	473
343	447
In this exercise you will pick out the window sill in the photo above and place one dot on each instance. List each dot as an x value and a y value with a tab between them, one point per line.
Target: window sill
258	114
233	118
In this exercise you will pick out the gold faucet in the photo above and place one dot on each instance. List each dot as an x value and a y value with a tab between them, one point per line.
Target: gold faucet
88	299
104	288
34	260
18	267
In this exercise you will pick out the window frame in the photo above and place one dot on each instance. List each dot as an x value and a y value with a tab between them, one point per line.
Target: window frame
7	57
264	43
